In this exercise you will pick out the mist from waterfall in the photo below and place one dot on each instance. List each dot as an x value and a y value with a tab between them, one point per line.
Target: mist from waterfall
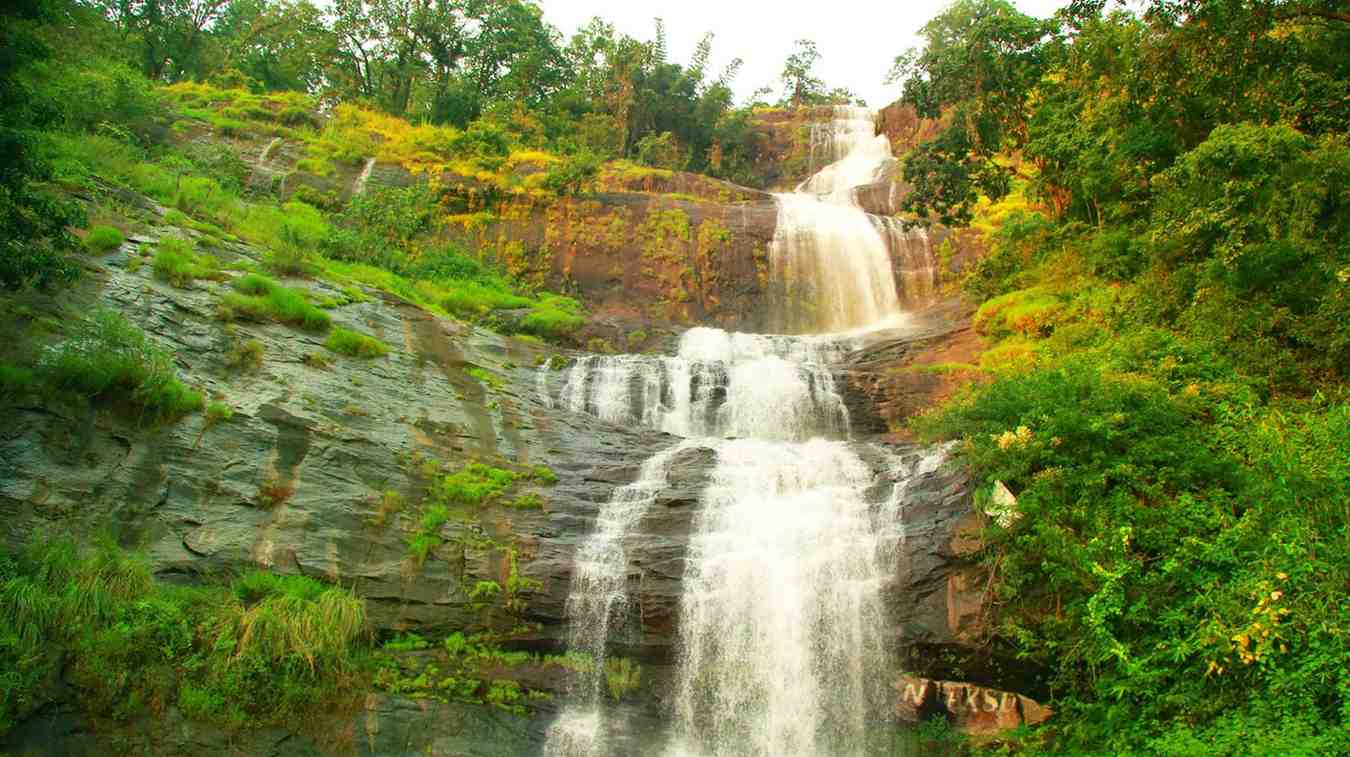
782	631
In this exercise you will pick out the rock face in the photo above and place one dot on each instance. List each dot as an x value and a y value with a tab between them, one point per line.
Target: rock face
971	709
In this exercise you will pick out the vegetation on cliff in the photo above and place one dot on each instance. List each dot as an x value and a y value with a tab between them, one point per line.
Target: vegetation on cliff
1167	292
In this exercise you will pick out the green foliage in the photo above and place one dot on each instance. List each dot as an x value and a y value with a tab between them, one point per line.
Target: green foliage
622	677
420	546
177	263
1152	534
486	378
573	174
245	355
1168	379
553	317
261	298
266	650
102	239
979	64
218	412
104	356
476	484
355	344
34	223
529	501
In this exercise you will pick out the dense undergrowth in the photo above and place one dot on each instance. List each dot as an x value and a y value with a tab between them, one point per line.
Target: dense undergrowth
1164	391
101	357
261	649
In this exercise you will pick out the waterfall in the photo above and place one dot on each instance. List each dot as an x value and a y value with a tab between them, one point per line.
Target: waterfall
363	177
720	384
782	625
830	262
262	157
599	596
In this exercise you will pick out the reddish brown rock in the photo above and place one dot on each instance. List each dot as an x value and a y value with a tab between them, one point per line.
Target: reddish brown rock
971	709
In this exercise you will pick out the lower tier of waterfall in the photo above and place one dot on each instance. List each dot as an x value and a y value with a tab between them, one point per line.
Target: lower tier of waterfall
782	647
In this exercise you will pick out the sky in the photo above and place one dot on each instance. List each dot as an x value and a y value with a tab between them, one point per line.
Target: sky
857	39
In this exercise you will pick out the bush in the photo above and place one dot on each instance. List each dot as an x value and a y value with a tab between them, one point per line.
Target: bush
1158	565
355	344
101	239
245	355
267	648
218	412
477	484
104	354
554	317
176	263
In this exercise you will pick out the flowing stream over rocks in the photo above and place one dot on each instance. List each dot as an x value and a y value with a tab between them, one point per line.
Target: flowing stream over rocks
782	629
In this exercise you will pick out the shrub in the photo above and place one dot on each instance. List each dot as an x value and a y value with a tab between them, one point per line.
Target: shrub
476	484
176	263
218	412
1160	566
355	344
529	501
295	620
551	322
104	353
420	546
101	239
261	298
472	299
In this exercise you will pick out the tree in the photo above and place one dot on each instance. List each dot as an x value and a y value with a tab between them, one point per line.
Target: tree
980	62
33	224
171	34
281	44
800	87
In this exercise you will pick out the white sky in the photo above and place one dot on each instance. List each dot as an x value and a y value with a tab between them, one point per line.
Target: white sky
857	39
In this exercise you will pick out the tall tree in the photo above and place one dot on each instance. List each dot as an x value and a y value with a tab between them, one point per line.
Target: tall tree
800	85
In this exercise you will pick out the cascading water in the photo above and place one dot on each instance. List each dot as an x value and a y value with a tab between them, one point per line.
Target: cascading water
830	262
720	384
781	624
359	186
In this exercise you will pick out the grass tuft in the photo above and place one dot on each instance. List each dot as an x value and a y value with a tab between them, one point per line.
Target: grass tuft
355	344
106	355
102	239
261	298
177	263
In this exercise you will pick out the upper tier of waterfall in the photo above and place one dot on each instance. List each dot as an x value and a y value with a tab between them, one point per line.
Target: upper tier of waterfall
833	267
855	150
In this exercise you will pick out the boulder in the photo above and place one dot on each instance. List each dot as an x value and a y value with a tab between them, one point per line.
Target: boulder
971	709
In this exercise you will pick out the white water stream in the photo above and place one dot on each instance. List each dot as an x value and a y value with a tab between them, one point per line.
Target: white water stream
781	626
